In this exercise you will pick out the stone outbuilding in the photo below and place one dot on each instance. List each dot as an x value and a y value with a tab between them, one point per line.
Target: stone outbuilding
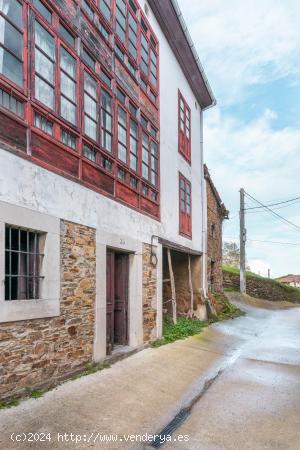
216	213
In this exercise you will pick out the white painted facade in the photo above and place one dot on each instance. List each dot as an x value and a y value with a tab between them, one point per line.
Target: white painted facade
25	184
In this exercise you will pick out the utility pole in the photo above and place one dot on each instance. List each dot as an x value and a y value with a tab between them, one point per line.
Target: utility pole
242	243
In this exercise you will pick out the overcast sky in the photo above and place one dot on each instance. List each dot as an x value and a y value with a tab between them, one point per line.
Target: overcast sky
250	51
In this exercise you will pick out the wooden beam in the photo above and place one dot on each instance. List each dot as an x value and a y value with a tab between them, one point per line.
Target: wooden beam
174	311
191	288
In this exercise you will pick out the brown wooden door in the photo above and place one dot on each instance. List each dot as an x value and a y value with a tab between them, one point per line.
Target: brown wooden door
121	299
110	301
117	271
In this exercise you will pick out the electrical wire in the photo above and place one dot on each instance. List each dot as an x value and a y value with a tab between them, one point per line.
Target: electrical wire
274	204
268	242
283	219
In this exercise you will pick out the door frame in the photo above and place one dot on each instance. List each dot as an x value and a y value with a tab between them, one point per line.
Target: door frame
119	243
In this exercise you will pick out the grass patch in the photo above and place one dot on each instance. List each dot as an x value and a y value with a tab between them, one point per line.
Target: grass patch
9	403
225	309
237	272
37	393
231	289
184	328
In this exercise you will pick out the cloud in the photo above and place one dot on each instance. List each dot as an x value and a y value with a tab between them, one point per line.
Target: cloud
246	43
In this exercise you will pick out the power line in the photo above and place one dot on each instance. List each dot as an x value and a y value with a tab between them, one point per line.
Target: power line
274	209
273	204
283	219
268	242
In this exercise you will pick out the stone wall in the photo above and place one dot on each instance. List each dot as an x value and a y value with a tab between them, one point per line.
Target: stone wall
35	353
149	295
262	288
214	241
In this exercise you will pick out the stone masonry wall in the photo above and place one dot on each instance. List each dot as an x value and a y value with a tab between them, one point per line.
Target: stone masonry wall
214	242
35	353
264	288
149	295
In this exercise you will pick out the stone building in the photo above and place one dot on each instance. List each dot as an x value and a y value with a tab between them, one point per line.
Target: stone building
216	213
101	112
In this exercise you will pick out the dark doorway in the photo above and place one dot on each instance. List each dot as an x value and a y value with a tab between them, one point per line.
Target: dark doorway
117	270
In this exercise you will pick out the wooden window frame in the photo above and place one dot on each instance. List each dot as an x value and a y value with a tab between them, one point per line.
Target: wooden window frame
185	217
184	141
7	81
40	143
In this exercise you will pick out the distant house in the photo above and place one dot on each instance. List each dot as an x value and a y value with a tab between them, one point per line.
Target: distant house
216	213
291	280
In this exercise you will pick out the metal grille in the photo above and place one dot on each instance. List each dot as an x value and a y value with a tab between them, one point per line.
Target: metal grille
23	262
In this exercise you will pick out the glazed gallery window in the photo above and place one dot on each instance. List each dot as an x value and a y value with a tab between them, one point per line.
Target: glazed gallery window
185	206
11	40
44	66
23	262
91	114
184	124
68	86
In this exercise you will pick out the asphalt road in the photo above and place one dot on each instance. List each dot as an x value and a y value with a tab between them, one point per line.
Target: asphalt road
240	380
255	402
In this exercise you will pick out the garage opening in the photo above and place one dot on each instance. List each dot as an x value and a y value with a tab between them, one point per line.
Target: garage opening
183	270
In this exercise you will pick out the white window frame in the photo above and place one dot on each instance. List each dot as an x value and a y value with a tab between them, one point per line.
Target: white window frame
49	303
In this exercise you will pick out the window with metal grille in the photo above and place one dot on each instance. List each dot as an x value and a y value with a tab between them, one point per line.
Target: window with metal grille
23	262
11	40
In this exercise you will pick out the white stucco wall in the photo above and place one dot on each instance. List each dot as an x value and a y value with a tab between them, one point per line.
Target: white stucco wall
25	184
172	78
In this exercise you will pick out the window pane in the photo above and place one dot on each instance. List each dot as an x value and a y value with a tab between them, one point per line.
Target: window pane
44	66
68	87
133	162
44	92
106	101
90	128
67	36
120	32
106	121
11	67
122	135
122	153
90	85
44	40
88	59
90	106
11	38
89	153
106	140
13	10
145	171
43	10
67	110
67	62
104	8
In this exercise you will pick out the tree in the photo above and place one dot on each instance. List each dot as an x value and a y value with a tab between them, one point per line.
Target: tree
231	254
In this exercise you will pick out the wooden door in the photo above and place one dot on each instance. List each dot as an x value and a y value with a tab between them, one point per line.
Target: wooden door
121	300
117	271
110	300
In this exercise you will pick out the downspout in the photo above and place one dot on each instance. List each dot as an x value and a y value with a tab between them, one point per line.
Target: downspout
204	214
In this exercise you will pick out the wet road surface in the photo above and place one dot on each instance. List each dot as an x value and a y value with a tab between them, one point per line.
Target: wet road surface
255	402
242	377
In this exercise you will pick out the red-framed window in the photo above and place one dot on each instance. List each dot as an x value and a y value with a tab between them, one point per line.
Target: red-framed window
79	122
98	111
12	45
149	61
185	206
126	27
184	127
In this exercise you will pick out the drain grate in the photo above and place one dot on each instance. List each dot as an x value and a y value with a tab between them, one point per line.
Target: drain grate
160	439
